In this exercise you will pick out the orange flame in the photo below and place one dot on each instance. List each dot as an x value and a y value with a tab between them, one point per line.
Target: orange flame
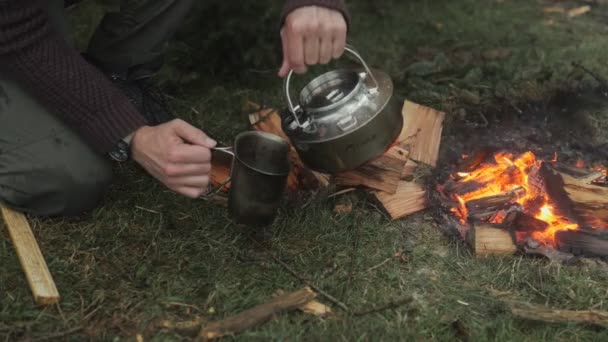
507	174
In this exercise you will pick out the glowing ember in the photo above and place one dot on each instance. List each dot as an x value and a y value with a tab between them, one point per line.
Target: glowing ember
508	174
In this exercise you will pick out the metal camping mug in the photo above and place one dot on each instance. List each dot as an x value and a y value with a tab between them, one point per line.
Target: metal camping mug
258	177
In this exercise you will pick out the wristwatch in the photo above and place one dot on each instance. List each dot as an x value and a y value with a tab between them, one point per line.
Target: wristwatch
122	150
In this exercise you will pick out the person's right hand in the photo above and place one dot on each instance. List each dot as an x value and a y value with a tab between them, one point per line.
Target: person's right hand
177	154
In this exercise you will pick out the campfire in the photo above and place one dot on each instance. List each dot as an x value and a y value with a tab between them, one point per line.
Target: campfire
505	201
500	202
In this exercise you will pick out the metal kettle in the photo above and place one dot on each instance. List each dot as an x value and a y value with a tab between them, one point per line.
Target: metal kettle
344	117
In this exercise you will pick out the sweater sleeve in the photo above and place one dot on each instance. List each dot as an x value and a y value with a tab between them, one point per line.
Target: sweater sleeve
337	5
35	55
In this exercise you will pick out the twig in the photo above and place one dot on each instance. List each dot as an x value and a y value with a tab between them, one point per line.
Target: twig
597	77
302	279
56	335
257	315
391	305
345	191
545	314
380	264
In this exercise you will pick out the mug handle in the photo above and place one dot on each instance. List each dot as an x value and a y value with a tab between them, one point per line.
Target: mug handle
350	50
211	192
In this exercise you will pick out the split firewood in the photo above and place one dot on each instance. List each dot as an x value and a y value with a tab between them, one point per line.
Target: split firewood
409	169
544	314
409	198
451	187
489	239
589	202
421	134
32	261
257	315
382	174
575	12
494	203
571	170
524	222
580	242
301	177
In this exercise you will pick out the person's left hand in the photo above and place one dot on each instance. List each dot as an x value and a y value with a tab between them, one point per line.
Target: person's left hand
311	35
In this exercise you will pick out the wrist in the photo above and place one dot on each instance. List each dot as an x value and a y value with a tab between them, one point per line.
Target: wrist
122	149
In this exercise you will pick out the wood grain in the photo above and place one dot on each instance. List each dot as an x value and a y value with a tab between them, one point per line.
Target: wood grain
409	199
421	134
32	262
487	240
382	174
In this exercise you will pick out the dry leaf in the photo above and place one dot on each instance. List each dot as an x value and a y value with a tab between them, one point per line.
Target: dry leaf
498	53
554	9
343	208
578	11
315	308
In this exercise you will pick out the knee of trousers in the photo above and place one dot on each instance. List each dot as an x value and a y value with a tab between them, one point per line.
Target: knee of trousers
70	190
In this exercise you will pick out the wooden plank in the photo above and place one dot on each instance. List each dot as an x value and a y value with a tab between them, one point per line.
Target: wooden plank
409	199
382	174
34	266
421	134
487	240
301	177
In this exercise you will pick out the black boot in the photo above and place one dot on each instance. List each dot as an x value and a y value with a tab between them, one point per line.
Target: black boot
139	87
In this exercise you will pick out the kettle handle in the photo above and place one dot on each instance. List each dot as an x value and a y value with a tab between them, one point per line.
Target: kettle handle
347	48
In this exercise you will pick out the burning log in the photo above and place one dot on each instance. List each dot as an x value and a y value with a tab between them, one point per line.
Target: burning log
452	187
421	134
527	223
494	203
490	239
581	242
382	174
473	161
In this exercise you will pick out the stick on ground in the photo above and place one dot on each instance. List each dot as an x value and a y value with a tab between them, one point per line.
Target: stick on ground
31	259
544	314
257	315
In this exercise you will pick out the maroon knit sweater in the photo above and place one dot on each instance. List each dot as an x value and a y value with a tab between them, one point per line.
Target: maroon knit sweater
33	53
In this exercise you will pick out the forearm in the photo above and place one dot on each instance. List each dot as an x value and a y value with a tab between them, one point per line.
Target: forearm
39	59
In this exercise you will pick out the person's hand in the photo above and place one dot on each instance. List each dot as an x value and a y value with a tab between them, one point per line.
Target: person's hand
311	35
177	154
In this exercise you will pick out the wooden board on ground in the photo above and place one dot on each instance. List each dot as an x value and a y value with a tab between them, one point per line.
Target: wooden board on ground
301	177
382	174
409	198
486	240
421	134
34	266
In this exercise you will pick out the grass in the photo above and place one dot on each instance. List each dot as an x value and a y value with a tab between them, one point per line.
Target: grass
126	265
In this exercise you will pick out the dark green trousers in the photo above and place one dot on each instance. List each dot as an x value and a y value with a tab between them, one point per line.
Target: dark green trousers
45	168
